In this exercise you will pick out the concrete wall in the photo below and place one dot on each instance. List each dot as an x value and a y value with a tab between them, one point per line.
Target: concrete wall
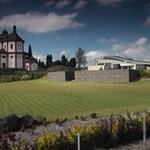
100	67
95	76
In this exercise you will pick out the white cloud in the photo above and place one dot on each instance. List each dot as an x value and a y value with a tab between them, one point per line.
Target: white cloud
109	2
80	4
39	56
131	49
102	40
147	22
134	51
141	41
96	54
49	3
91	55
64	52
41	23
138	49
63	3
117	47
112	40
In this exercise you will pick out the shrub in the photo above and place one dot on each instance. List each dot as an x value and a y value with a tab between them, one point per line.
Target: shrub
93	115
145	73
26	77
120	130
134	123
60	121
49	141
9	75
88	135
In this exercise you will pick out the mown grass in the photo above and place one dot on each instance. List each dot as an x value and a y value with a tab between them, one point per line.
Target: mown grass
67	99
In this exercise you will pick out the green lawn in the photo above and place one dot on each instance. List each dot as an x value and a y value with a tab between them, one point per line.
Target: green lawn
67	99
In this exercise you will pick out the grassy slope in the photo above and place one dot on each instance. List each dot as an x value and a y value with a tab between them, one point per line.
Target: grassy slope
60	99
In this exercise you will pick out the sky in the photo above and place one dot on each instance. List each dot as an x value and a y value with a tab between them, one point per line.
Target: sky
99	27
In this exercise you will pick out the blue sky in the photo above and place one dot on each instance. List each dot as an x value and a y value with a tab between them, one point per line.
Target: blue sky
100	27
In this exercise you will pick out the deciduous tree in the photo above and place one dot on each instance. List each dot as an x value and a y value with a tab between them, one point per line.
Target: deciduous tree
80	57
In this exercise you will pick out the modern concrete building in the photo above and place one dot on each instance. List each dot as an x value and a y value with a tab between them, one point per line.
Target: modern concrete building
117	62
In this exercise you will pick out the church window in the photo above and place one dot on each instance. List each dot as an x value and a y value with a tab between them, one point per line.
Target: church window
19	57
34	66
4	46
26	66
11	56
19	46
3	56
11	46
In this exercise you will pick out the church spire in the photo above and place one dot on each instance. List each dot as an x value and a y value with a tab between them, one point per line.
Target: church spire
14	28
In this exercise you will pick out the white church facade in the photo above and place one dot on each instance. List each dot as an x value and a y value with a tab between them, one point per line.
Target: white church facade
12	53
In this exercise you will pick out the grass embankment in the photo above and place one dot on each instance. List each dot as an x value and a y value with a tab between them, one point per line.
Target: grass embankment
67	99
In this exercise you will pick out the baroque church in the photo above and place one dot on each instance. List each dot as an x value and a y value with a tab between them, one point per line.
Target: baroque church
12	53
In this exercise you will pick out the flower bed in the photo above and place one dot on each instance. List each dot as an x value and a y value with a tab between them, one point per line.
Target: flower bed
94	133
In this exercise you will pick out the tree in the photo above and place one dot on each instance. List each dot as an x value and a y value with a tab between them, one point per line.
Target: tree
63	60
57	62
39	64
80	58
49	60
42	64
72	62
67	63
30	51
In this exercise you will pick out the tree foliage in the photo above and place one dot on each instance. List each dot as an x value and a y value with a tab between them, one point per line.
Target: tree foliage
72	62
63	60
80	57
30	51
49	60
57	62
41	64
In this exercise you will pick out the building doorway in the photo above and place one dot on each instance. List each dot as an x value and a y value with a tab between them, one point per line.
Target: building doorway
3	65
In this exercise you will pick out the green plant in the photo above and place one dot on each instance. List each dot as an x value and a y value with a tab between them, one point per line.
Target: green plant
57	120
51	141
145	73
26	77
93	115
76	117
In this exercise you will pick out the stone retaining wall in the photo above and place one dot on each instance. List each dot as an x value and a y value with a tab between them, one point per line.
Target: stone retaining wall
95	76
107	75
61	76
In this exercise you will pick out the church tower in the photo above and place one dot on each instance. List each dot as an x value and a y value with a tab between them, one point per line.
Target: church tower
11	49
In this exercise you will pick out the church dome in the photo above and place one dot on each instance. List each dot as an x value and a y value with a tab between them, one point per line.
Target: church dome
4	32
